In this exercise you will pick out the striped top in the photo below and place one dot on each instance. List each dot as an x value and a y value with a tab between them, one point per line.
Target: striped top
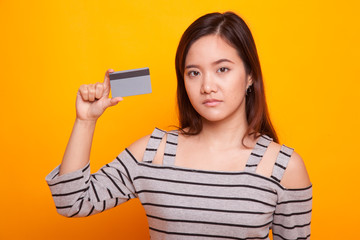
184	203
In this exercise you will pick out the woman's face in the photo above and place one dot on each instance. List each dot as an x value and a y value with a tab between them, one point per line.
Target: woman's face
215	79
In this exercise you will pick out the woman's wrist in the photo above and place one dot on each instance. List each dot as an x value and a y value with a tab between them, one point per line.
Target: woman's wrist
85	123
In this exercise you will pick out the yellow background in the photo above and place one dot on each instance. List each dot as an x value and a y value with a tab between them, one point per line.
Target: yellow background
309	51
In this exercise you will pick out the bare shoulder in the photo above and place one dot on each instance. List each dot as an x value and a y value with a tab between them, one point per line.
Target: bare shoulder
296	175
138	147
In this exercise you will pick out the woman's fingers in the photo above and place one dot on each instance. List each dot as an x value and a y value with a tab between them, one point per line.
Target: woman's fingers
91	88
99	90
84	92
92	92
107	82
89	92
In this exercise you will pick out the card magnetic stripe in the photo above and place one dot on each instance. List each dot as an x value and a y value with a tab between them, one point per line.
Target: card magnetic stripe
130	74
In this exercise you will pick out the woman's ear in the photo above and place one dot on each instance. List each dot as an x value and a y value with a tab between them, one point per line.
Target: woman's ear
249	80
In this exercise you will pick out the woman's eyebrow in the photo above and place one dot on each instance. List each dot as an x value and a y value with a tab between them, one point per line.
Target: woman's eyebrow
222	60
192	66
214	63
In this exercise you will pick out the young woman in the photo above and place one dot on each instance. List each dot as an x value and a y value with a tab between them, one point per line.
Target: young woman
222	175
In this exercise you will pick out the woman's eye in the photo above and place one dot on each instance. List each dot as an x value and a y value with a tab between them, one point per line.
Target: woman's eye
193	73
223	69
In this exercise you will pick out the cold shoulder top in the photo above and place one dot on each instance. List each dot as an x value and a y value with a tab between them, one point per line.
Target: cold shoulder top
184	203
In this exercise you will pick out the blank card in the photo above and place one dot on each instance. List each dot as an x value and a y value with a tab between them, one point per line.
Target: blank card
130	82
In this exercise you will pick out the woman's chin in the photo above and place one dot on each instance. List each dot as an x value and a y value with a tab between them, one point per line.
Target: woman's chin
213	118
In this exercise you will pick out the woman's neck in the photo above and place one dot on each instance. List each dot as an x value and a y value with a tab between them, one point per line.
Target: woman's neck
225	134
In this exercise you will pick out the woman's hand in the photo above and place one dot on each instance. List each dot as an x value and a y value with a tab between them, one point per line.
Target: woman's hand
93	99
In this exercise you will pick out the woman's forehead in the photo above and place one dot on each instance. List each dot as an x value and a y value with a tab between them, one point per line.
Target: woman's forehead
210	49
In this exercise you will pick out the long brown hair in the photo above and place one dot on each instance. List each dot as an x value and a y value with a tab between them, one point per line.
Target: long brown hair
234	30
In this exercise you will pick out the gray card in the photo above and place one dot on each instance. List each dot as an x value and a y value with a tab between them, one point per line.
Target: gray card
130	82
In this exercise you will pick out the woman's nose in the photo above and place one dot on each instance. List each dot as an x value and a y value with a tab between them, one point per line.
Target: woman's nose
208	84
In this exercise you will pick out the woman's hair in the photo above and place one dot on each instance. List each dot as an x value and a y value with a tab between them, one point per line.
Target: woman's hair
234	31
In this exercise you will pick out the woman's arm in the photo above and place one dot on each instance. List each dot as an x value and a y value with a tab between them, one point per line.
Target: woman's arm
292	217
91	102
81	194
77	153
75	191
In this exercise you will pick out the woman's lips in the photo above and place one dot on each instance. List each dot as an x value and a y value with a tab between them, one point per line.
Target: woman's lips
211	102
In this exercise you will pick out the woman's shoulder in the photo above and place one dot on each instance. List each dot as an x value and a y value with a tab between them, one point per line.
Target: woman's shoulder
138	147
295	175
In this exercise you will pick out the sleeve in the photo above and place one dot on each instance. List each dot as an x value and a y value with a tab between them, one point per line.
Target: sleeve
292	216
80	194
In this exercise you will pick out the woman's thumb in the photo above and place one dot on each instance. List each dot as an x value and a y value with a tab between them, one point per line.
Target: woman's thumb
114	101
